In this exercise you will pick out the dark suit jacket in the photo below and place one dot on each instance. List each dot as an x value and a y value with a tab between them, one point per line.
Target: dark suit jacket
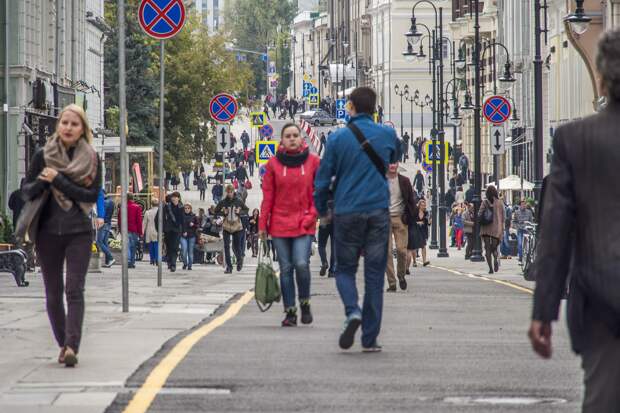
579	231
409	198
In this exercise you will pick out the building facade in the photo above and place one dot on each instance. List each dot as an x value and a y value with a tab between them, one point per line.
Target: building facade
54	50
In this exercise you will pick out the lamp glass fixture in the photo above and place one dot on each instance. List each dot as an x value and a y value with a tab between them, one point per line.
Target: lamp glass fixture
507	77
409	54
579	21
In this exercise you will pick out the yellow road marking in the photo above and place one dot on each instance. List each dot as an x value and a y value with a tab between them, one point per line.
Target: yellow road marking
482	277
143	398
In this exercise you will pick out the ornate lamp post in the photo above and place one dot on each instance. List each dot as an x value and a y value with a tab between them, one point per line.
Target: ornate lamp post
405	93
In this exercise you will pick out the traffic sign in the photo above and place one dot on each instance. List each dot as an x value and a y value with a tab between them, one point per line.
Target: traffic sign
498	139
496	109
313	99
389	123
314	90
340	103
222	137
433	152
266	131
257	119
341	113
161	19
307	77
307	86
223	107
265	150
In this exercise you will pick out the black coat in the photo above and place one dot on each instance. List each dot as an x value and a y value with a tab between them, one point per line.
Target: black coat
579	231
173	218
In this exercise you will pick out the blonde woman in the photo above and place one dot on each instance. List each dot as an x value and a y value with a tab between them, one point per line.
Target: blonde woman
149	229
61	187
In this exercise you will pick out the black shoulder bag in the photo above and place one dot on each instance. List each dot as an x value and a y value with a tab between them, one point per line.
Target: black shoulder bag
367	147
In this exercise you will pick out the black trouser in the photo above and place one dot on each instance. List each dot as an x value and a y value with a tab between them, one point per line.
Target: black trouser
237	246
490	249
172	239
202	194
251	165
53	251
326	233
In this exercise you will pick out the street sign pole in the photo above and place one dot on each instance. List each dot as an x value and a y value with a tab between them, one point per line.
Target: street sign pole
124	161
162	180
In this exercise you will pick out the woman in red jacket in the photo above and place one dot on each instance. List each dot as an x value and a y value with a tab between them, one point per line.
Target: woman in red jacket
289	216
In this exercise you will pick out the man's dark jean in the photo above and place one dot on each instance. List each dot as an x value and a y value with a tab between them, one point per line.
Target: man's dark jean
237	246
326	234
355	234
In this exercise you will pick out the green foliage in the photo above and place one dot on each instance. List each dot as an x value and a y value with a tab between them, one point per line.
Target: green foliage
253	24
6	229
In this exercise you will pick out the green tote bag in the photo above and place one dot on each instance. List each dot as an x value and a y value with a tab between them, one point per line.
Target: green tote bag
267	284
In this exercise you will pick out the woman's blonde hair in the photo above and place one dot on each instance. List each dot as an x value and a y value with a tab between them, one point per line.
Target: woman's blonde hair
88	133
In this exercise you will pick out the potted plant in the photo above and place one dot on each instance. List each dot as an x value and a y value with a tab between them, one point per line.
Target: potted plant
116	246
6	233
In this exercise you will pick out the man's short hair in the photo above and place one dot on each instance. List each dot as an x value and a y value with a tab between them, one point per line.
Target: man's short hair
364	99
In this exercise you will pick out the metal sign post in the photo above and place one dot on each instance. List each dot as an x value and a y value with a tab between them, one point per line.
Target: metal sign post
124	160
160	21
160	215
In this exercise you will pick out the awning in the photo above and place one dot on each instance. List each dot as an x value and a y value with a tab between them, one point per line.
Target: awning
514	183
347	92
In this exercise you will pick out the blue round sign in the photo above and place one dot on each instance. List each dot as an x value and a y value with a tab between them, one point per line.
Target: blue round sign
266	131
162	19
496	109
223	107
427	167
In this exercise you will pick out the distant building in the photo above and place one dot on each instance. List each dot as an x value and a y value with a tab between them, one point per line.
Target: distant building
211	12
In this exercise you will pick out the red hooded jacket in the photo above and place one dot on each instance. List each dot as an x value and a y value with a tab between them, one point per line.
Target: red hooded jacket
287	210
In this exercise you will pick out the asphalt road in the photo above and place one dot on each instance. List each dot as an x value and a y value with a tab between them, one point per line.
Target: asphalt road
451	344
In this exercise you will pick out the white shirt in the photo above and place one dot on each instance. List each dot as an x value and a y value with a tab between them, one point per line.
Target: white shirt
397	204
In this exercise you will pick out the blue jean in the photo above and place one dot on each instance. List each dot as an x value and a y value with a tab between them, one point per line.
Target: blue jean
153	256
355	234
294	256
133	244
187	250
520	233
102	242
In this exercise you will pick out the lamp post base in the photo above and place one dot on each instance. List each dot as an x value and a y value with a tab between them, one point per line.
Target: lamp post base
433	245
443	253
476	256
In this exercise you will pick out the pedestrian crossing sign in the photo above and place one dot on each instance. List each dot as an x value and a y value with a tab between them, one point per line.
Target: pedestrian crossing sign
433	152
313	99
265	150
258	119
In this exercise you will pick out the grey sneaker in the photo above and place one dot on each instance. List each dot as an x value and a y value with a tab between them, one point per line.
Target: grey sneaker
348	334
111	263
375	348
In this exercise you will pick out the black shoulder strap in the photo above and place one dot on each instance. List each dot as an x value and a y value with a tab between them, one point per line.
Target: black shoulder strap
367	147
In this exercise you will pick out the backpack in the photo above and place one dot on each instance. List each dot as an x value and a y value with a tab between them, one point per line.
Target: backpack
486	216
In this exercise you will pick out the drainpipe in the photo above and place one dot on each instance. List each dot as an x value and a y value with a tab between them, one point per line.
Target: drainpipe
6	105
73	45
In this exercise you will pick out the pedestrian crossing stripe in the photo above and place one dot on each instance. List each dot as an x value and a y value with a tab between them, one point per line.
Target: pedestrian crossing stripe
257	119
265	150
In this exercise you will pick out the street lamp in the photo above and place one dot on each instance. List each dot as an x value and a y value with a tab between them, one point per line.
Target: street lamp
405	93
421	104
409	54
579	21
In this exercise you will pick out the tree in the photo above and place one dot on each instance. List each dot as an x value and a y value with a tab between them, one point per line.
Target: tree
253	26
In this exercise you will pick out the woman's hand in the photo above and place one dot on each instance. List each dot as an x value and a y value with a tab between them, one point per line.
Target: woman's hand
48	174
262	235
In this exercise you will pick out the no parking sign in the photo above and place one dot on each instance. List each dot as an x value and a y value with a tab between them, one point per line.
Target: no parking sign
162	19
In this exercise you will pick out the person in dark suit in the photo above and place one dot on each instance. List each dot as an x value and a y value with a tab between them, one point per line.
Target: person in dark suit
579	241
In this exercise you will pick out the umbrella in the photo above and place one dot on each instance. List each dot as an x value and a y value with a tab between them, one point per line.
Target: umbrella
513	183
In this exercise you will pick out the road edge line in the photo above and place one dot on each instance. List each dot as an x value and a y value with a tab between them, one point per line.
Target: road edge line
485	278
156	379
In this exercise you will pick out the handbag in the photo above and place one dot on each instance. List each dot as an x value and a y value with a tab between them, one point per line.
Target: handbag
266	283
28	222
486	216
248	184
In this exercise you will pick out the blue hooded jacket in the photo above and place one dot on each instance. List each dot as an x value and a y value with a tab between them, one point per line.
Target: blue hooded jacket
358	186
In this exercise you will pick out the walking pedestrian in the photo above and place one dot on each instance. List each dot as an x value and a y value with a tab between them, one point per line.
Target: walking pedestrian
406	139
521	217
201	183
402	212
253	232
492	231
289	216
149	229
134	228
231	208
418	233
418	183
323	142
361	212
191	224
251	161
242	192
459	225
173	225
217	191
61	187
103	233
468	228
577	235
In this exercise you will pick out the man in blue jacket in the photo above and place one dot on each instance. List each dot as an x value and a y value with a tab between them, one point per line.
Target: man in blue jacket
105	210
361	214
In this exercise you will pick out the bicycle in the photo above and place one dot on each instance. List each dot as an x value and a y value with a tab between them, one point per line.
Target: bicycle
529	250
